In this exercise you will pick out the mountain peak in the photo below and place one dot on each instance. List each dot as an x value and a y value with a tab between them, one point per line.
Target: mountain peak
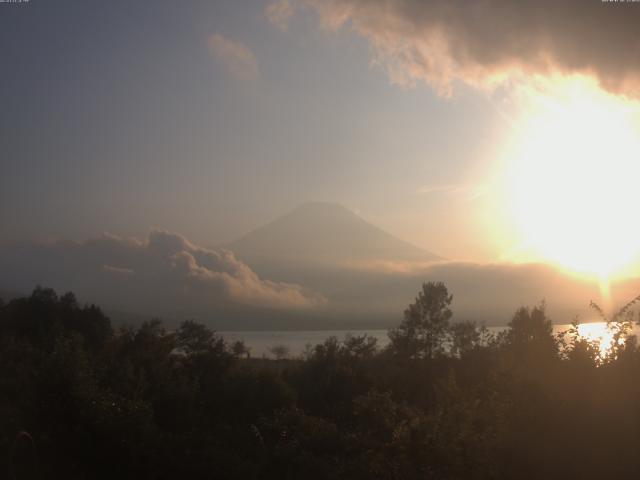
320	206
323	232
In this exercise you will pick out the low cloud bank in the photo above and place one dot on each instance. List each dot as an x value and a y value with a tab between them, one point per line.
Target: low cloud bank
483	292
168	276
164	273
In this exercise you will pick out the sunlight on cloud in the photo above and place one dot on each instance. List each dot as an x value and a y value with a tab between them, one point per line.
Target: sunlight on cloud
563	189
490	44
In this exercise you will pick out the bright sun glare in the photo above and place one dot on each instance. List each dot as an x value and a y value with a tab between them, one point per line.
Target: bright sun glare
600	334
573	176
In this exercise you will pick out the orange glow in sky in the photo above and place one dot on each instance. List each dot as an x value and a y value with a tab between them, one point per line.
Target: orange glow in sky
570	180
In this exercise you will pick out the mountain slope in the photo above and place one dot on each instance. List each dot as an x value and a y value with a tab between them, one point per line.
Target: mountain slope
324	233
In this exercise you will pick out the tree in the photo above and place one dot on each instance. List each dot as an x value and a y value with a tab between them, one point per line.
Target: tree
193	338
360	346
423	331
530	325
530	336
465	336
578	349
240	349
279	351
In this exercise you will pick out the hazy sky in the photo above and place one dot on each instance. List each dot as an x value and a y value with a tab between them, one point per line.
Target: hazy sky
203	117
210	118
485	132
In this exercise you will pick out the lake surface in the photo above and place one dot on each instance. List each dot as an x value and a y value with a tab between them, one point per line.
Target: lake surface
260	342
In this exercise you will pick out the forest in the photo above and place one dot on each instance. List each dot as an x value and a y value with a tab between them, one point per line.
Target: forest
82	399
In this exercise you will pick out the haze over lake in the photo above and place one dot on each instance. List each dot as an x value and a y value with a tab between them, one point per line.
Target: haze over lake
261	343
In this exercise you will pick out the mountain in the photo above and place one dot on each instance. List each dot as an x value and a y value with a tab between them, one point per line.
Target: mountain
368	276
327	234
318	267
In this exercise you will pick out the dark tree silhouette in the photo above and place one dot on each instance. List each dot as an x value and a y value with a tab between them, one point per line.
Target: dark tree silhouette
426	323
443	401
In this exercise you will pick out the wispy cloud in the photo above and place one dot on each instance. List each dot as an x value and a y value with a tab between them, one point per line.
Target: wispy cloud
235	56
466	192
280	12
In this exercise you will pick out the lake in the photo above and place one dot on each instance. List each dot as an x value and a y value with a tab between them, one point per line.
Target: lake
260	342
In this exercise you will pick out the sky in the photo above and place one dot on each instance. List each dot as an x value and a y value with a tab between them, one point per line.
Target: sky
119	117
142	138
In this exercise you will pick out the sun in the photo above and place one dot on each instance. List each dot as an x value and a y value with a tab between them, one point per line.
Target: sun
573	177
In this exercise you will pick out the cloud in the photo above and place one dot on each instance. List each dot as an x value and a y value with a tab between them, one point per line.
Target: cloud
486	293
235	56
279	13
378	291
493	291
494	42
123	271
466	192
165	271
167	275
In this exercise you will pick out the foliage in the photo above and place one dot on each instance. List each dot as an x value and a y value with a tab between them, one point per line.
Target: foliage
445	400
279	351
425	325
